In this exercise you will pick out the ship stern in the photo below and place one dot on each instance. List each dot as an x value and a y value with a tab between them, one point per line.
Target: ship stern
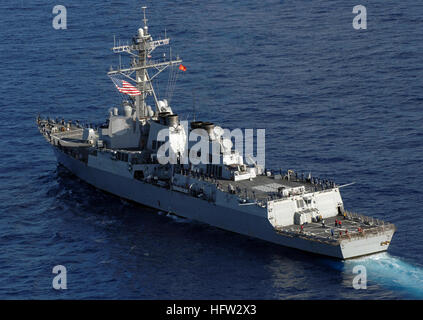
370	244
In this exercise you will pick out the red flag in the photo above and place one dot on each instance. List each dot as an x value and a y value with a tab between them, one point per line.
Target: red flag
182	67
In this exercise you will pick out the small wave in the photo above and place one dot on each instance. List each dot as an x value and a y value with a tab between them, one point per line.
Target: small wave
177	218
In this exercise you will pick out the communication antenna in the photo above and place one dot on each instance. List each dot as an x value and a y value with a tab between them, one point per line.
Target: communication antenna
145	19
346	185
137	71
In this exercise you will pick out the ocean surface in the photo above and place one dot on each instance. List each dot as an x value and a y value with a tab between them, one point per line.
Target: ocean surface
340	103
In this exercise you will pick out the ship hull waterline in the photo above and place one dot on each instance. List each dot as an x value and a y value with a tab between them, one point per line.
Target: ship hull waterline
221	217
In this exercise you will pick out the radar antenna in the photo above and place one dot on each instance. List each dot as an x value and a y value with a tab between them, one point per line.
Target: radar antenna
140	49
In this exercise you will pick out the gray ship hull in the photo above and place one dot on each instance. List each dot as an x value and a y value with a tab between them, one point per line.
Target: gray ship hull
152	158
248	222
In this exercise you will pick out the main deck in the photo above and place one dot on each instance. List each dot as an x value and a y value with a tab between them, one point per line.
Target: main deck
259	189
264	188
332	230
354	230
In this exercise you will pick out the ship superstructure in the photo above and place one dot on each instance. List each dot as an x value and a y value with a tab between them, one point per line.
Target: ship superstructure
123	157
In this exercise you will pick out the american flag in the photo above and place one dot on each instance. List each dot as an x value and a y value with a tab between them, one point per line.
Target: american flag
125	87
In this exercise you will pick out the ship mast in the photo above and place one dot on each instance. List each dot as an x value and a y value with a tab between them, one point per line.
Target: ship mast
140	50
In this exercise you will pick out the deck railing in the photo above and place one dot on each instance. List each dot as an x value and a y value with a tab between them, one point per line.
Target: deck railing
371	227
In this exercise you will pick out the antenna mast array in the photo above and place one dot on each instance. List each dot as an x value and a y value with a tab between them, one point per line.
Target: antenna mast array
140	49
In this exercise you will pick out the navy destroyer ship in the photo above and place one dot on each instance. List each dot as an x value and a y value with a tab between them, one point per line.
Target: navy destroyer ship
122	157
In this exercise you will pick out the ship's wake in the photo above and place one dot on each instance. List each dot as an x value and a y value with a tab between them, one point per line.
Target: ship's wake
392	273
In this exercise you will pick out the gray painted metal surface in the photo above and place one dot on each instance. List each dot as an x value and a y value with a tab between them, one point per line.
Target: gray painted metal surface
121	158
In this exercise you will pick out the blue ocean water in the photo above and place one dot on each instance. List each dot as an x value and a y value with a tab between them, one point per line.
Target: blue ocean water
341	103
